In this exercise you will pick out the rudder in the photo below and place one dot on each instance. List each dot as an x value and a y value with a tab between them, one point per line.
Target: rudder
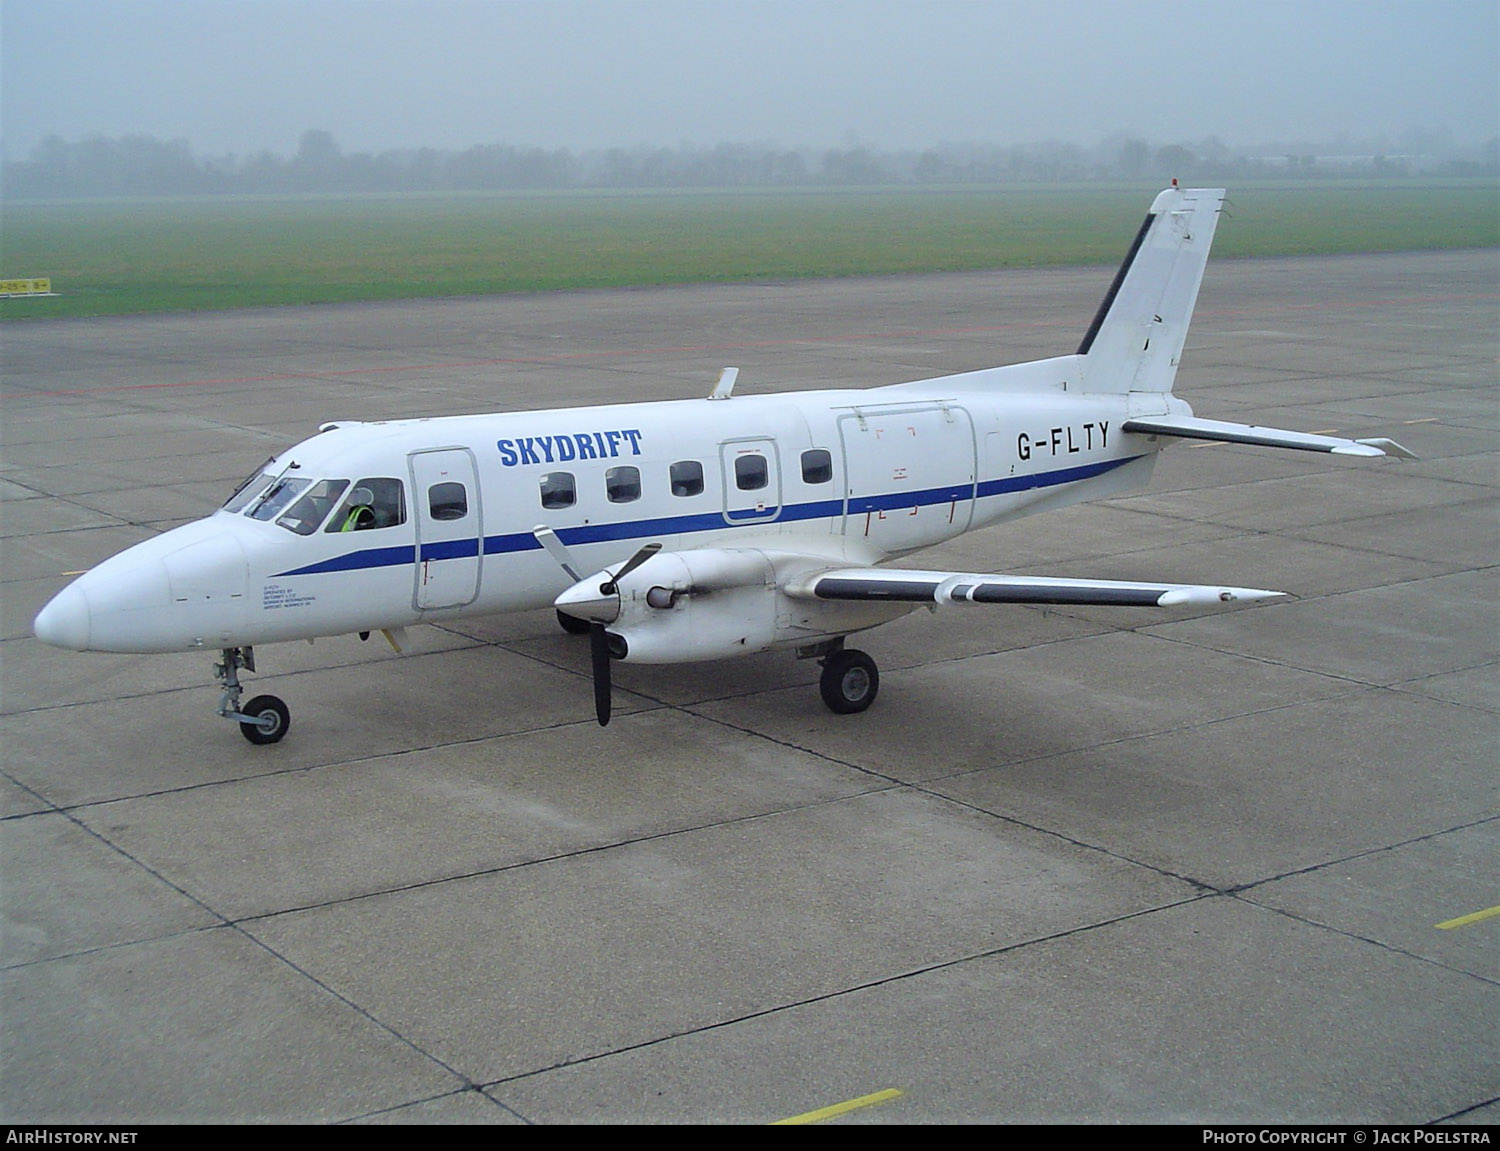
1136	338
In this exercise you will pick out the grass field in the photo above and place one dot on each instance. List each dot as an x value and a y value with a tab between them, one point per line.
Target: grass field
112	257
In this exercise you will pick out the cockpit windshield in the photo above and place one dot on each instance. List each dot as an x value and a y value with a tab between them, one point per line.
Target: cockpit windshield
277	498
254	484
297	504
302	505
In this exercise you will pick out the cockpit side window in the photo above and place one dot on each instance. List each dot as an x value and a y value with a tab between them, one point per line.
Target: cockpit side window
379	502
308	513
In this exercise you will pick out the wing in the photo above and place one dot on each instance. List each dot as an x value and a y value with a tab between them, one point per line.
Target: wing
932	587
1192	428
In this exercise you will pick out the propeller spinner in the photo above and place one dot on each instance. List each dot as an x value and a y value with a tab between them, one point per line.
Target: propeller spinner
597	601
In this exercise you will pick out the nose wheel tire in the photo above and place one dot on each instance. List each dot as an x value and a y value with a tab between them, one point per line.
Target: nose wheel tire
850	681
269	719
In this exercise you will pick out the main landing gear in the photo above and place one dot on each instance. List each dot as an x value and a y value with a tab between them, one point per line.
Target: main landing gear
265	718
849	682
850	679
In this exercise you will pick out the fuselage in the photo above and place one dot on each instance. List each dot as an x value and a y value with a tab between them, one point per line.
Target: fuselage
370	526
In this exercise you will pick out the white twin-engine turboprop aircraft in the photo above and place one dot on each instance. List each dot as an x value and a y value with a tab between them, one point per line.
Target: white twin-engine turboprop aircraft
723	525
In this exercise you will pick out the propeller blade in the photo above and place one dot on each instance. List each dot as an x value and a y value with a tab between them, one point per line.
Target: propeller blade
612	585
556	549
599	656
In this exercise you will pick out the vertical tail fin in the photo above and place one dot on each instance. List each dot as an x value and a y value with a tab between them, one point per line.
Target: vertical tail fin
1136	338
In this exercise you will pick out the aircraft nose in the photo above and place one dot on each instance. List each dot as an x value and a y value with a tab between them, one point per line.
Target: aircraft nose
64	622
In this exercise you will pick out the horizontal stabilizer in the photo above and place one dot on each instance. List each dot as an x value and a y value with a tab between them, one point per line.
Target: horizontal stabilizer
1192	428
928	587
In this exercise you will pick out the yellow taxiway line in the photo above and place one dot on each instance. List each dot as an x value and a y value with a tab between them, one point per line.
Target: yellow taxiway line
1465	920
840	1108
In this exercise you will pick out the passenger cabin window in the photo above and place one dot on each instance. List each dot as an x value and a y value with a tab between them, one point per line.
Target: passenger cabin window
751	472
622	485
378	502
817	466
559	490
448	501
687	478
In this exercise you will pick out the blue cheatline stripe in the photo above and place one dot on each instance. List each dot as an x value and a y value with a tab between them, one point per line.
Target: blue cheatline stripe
703	522
750	515
858	505
820	510
358	561
450	550
1050	479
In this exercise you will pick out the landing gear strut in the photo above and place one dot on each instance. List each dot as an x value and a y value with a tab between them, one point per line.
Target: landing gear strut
849	682
265	718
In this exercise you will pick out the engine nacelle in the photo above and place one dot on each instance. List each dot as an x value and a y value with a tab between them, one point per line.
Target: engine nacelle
678	607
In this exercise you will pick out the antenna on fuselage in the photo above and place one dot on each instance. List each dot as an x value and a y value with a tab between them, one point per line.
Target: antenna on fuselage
725	385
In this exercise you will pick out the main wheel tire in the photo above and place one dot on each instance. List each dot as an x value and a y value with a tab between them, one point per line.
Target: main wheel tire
572	624
850	681
270	719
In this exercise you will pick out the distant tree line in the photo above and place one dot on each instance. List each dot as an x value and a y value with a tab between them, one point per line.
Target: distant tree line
137	165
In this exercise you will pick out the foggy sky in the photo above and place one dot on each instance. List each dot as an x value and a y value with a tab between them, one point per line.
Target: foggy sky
244	75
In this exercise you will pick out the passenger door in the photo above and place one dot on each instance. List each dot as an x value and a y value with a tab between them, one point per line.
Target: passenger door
450	534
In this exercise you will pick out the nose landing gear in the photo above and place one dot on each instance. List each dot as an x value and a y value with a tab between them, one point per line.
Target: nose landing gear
265	718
